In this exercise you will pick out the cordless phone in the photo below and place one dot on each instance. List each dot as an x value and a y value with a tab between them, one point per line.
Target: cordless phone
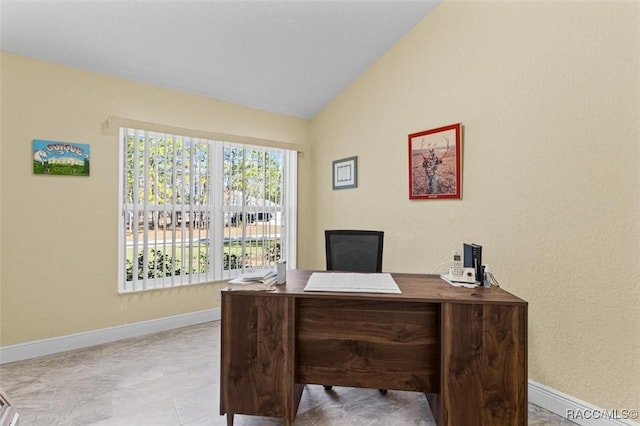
456	265
458	273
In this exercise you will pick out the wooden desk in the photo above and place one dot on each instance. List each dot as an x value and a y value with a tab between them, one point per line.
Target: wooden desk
466	349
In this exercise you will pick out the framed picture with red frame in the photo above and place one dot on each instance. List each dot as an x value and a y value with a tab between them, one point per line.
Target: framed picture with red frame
435	163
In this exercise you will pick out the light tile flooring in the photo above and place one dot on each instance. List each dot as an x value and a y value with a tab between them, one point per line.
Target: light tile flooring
172	378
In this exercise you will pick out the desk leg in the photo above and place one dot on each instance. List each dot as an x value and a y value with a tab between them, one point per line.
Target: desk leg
484	365
229	419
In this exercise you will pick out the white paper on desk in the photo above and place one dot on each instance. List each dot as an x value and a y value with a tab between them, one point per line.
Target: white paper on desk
352	282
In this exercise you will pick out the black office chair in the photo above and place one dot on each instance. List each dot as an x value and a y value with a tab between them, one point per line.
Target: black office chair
354	251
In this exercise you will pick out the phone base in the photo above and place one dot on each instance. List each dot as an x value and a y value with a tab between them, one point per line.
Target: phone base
468	276
449	280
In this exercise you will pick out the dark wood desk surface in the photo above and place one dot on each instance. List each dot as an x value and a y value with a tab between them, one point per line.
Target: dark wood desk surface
414	287
466	349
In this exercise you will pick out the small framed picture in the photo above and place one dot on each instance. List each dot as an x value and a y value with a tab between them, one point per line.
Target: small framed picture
345	173
60	158
434	163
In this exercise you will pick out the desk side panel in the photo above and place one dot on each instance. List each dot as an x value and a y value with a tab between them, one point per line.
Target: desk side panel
256	371
484	365
370	344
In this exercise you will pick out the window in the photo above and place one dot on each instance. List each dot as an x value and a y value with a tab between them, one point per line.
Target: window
196	210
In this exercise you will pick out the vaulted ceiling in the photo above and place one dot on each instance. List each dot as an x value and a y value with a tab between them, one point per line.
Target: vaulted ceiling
290	57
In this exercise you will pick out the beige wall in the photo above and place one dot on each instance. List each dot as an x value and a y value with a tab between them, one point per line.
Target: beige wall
59	234
548	94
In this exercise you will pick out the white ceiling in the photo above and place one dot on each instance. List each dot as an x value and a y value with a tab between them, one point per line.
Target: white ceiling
290	57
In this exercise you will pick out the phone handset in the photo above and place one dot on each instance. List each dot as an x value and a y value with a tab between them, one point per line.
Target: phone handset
456	265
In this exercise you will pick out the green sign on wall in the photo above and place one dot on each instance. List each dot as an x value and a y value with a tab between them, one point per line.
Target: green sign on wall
60	158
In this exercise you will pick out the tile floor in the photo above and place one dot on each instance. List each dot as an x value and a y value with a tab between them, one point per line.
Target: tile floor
171	378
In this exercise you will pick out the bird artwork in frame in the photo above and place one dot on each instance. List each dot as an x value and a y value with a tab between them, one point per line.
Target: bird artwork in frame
435	163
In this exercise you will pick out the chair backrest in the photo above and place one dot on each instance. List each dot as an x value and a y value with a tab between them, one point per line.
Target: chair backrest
353	250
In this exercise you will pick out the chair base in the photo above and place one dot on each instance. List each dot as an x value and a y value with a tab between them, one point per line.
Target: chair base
329	387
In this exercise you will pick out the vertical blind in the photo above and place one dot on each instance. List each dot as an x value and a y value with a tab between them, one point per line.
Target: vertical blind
196	210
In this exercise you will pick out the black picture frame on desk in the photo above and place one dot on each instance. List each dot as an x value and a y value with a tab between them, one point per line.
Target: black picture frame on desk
472	258
345	173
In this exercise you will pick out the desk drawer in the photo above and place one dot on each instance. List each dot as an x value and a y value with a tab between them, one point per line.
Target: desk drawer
256	373
372	344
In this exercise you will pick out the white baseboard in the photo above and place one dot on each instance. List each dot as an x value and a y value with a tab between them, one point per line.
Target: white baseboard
577	411
69	342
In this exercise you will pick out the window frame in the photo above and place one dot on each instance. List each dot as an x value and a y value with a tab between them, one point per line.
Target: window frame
215	208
